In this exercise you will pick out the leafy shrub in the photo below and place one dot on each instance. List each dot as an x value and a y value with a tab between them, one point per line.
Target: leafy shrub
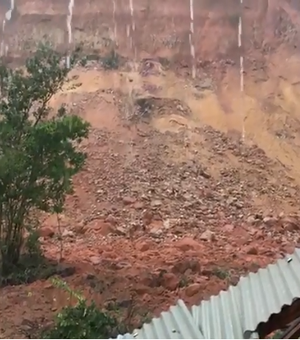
82	321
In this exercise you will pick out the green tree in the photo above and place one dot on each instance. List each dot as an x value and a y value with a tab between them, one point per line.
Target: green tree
38	149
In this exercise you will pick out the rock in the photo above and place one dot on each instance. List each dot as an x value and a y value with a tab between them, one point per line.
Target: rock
192	289
207	272
90	277
121	231
170	281
102	227
144	246
138	205
111	220
156	229
239	204
155	233
187	264
152	280
290	224
142	289
251	250
187	243
79	228
121	265
207	236
157	217
228	228
46	232
95	260
156	203
105	228
270	221
66	233
147	217
204	174
126	303
65	270
251	220
127	200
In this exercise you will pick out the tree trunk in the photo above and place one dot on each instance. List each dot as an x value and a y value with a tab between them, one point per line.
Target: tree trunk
10	258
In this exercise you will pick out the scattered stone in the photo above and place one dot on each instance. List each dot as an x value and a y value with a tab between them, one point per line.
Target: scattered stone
147	217
127	200
155	232
111	220
187	264
142	289
251	250
65	270
95	260
228	228
90	277
67	233
138	205
207	236
156	229
187	243
126	303
121	231
46	232
80	228
105	228
121	265
251	220
170	281
270	221
239	204
152	280
142	247
192	289
290	224
156	203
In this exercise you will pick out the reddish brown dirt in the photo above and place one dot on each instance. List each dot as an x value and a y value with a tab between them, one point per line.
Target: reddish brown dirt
172	204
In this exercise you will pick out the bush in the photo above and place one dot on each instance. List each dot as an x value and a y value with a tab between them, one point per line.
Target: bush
38	154
82	321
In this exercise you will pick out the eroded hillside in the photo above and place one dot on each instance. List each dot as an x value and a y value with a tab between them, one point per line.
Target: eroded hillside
172	202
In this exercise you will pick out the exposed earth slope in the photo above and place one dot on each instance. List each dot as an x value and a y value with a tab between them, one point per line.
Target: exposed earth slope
171	203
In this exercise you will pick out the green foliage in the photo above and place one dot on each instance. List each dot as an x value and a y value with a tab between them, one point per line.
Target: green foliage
38	154
32	244
82	321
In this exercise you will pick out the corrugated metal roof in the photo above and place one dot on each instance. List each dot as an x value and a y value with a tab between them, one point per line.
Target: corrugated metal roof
235	313
266	292
219	317
177	323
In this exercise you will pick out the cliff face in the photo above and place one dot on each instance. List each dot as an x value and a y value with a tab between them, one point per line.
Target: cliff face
267	24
